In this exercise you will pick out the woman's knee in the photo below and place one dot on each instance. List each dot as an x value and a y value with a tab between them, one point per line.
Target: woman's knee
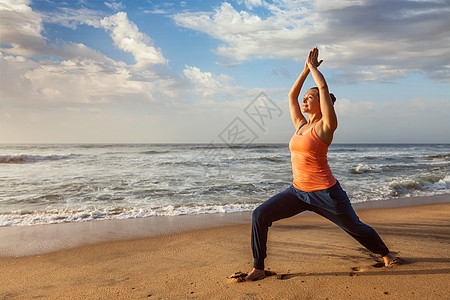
260	215
257	213
276	207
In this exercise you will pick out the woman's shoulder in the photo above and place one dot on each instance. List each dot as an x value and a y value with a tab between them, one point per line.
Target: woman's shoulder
323	132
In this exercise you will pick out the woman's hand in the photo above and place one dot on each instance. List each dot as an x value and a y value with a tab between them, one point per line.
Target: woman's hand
313	59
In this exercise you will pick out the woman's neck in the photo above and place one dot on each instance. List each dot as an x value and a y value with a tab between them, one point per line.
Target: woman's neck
313	118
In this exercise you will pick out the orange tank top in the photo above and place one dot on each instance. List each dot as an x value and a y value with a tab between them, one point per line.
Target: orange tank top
309	162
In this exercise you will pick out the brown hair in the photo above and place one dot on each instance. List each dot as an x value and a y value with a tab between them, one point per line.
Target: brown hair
333	98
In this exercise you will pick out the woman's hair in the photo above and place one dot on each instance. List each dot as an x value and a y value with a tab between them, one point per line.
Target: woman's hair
333	98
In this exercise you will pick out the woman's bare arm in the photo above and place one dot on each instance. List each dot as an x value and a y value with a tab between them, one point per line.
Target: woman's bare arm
294	107
329	118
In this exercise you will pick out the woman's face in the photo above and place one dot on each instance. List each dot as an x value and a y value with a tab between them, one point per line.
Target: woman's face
310	103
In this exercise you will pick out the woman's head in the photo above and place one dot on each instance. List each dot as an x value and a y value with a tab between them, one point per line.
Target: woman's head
311	100
333	98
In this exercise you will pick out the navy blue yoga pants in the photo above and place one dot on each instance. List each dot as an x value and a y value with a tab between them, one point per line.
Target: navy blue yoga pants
331	203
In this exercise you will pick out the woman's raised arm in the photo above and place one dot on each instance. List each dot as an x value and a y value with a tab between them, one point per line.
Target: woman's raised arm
329	119
296	113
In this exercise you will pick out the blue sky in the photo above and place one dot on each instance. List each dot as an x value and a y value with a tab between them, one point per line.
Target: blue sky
183	71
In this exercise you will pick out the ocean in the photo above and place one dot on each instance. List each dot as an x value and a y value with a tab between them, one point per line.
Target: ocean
59	183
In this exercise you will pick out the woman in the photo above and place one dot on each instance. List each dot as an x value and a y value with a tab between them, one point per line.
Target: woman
314	187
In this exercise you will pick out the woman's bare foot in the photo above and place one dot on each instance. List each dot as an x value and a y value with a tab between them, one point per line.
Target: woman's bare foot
255	274
388	259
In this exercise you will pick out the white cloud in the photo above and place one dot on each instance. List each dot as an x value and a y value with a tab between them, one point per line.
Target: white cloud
14	86
252	3
115	5
213	89
77	50
225	20
156	11
345	108
127	37
71	18
389	38
76	80
81	81
20	28
124	33
21	31
205	83
73	72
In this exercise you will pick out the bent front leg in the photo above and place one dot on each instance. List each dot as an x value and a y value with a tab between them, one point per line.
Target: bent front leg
282	205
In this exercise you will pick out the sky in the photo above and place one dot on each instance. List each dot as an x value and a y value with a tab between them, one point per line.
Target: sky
101	71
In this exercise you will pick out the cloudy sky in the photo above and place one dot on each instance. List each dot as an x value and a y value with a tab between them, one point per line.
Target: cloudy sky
96	71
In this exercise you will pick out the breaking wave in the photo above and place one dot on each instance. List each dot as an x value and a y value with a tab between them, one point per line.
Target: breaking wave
23	158
67	216
430	183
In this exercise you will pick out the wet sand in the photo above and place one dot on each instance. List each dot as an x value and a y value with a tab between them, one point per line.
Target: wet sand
185	258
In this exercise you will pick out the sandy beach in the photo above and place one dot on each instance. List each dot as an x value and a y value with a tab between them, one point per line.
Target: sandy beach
312	257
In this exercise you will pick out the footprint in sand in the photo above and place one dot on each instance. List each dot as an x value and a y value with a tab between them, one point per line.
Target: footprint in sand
285	276
355	270
238	276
